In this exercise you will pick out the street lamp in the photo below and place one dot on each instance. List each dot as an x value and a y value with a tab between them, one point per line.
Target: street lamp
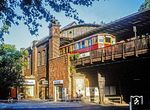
135	31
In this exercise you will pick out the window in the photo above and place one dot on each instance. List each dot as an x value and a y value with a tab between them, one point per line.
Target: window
101	40
86	43
64	50
83	44
43	57
94	40
68	49
107	39
79	45
76	46
110	90
39	58
89	42
61	51
71	48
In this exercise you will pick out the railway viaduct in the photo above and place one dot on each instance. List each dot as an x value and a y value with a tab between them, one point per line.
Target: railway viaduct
121	70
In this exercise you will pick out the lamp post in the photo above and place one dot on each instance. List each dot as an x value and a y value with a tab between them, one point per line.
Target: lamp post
135	31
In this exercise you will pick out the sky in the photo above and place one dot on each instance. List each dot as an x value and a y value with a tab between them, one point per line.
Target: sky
106	11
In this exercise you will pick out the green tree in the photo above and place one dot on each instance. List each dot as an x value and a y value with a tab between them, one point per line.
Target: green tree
32	11
10	68
145	5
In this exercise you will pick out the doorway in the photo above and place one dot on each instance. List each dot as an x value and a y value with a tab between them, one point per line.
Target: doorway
58	92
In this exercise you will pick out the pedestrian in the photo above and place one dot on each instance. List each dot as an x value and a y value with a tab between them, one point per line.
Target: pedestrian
18	97
10	99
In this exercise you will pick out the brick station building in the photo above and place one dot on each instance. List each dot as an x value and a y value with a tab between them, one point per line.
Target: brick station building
47	74
50	74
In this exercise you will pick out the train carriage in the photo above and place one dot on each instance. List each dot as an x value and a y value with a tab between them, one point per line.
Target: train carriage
88	44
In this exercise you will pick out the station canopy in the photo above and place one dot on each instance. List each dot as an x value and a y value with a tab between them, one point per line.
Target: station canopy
123	28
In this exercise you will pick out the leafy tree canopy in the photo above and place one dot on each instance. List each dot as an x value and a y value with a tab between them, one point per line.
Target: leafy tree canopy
145	5
10	66
31	11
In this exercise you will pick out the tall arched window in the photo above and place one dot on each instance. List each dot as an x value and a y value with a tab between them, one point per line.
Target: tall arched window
39	59
43	57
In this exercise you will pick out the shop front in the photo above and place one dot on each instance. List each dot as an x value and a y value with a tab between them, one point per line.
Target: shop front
43	89
60	92
29	88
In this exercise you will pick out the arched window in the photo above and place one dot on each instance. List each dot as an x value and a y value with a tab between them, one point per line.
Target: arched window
39	59
43	57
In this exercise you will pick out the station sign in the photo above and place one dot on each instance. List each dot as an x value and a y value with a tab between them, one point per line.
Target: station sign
87	54
58	82
29	82
135	102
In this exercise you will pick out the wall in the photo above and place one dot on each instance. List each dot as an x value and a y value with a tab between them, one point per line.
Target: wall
58	70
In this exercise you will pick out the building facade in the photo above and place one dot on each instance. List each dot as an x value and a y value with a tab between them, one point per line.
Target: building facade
47	73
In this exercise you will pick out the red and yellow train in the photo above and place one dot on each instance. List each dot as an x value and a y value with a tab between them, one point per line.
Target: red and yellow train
88	44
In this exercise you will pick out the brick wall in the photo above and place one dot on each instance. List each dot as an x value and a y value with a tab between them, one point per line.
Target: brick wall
58	70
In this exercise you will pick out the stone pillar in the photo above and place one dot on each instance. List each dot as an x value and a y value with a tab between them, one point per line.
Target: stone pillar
54	52
101	85
34	67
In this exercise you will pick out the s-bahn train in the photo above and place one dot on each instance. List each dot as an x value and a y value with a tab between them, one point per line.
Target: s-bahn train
88	44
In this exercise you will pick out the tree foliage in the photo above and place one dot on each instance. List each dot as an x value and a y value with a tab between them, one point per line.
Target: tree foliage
32	11
10	66
145	5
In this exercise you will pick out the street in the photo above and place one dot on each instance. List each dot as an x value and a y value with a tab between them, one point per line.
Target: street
39	105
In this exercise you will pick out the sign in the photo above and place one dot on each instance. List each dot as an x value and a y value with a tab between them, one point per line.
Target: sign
84	54
134	29
45	82
29	82
58	82
136	101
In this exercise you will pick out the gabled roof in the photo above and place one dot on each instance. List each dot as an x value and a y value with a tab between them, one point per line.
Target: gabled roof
74	25
43	40
69	25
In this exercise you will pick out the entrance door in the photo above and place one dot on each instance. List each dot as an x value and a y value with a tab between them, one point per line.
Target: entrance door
58	92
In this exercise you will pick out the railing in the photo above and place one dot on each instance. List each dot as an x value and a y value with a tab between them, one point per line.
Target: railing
119	50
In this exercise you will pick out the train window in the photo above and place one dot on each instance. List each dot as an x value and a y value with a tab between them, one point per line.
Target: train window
61	51
76	46
101	40
113	41
83	44
89	42
79	45
94	40
71	48
67	49
86	43
64	50
107	39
